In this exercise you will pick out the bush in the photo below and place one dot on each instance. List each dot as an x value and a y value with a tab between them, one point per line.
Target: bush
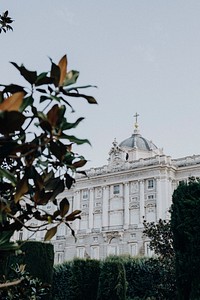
38	258
84	280
61	288
112	280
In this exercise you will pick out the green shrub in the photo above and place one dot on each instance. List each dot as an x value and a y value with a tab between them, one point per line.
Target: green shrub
38	258
85	279
61	288
112	280
149	278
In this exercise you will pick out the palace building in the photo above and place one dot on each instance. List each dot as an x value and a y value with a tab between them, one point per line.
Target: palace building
136	184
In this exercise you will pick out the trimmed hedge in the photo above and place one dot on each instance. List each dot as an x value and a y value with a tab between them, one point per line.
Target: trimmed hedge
116	278
61	287
112	280
76	280
38	258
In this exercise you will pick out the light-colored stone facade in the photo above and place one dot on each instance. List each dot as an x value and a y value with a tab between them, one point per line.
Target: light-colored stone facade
136	184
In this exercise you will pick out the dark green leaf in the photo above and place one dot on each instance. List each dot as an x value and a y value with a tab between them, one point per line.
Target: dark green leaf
66	125
43	79
90	99
64	207
30	76
28	101
5	173
58	149
69	180
13	88
76	140
55	74
11	121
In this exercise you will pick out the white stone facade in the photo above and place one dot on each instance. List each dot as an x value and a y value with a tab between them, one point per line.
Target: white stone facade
137	184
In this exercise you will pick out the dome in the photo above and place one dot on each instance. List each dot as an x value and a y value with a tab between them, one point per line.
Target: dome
136	141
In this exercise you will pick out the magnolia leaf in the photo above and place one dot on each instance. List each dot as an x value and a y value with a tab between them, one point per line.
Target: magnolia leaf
64	207
43	79
82	172
80	163
50	233
5	173
90	99
21	189
58	149
71	78
63	69
55	74
74	215
76	88
30	76
13	102
11	121
69	180
13	88
28	101
66	125
76	140
53	115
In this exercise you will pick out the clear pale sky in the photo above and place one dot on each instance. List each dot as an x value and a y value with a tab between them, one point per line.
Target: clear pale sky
144	56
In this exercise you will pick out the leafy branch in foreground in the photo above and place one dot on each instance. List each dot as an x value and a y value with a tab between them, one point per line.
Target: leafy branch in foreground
37	161
5	22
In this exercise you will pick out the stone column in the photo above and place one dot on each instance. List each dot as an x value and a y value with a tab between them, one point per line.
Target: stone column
126	205
158	200
91	206
142	212
77	205
106	191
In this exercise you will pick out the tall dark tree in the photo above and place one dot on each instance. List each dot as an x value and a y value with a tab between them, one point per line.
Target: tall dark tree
186	231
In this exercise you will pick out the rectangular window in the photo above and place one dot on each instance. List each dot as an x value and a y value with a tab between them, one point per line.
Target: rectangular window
60	257
20	235
85	194
150	184
150	197
148	251
116	189
95	252
81	252
133	249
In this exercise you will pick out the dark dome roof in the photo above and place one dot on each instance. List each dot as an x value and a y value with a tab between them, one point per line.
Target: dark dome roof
138	142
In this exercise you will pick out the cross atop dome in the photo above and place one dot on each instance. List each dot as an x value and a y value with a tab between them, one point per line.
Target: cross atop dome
136	123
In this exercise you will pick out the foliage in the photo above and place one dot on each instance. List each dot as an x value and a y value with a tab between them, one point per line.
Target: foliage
84	284
37	161
76	280
5	22
112	280
61	287
161	242
140	278
23	286
149	277
161	237
186	230
38	258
